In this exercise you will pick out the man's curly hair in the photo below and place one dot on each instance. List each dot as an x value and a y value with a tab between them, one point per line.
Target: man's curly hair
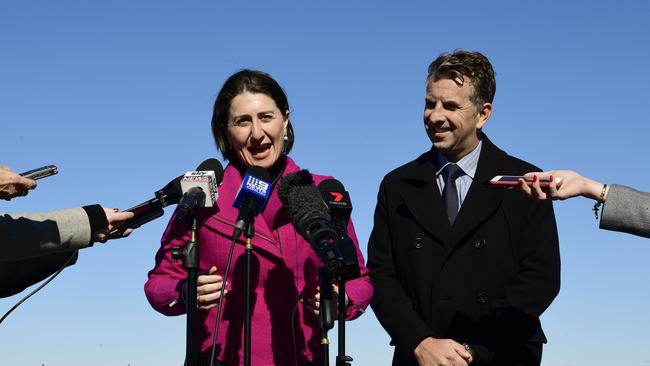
465	64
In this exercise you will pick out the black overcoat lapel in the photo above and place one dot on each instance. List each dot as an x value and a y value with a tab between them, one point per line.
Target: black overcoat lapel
422	197
482	200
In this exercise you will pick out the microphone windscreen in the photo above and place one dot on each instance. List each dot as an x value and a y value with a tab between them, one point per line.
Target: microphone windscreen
331	185
335	196
174	185
256	185
300	197
213	165
259	173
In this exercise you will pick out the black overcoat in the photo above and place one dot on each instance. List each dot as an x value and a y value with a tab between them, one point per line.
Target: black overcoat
484	281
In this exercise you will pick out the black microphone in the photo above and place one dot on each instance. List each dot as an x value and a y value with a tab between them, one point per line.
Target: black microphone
338	201
152	209
251	198
310	216
199	188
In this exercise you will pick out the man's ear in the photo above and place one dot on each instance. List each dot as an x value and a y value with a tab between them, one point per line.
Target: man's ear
484	115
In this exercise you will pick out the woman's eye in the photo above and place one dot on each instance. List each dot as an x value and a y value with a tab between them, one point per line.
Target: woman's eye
241	122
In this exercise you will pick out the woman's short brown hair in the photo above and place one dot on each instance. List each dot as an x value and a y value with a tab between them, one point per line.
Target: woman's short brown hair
252	81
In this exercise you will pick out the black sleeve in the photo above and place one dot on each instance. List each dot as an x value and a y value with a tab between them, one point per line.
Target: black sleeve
97	219
15	276
391	303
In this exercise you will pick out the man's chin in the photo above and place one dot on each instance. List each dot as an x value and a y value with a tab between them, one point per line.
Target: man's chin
441	146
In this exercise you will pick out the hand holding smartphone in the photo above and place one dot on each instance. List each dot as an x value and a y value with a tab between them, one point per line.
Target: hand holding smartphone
513	180
42	172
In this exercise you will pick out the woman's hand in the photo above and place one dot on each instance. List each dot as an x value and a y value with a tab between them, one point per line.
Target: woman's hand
208	289
115	218
313	304
571	184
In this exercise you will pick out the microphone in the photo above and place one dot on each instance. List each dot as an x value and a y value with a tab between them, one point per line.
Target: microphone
311	217
251	197
338	201
151	209
199	188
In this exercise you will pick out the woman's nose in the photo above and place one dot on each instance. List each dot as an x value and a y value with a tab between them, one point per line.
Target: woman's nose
257	132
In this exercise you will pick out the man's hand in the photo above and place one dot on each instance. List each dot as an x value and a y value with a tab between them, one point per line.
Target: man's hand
441	352
12	184
115	218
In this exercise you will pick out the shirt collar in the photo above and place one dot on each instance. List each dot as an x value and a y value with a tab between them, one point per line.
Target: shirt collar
468	163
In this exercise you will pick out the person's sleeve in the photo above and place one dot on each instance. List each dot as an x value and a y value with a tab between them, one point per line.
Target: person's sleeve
626	210
360	289
15	276
31	235
96	218
164	286
391	304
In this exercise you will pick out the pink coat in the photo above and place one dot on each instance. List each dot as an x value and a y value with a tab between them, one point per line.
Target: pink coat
285	273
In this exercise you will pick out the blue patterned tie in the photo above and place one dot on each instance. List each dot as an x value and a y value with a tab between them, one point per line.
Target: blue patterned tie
450	193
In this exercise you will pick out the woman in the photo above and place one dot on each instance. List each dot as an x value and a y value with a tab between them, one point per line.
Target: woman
624	209
251	126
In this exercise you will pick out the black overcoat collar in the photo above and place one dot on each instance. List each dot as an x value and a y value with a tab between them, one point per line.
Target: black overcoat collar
422	196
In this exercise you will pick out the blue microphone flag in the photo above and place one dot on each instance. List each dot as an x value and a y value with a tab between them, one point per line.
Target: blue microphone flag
253	186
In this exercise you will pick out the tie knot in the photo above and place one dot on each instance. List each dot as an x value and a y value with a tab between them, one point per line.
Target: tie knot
452	171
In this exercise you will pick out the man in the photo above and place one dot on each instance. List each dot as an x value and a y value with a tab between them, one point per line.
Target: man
33	246
462	271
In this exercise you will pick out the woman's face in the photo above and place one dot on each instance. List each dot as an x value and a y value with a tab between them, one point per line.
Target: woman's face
256	129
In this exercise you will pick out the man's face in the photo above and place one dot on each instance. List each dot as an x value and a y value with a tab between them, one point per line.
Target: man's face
451	119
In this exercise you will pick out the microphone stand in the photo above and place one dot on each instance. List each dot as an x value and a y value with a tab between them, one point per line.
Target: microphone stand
190	258
325	316
342	359
350	271
248	233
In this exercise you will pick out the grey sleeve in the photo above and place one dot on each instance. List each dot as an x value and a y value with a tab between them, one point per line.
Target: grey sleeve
31	235
626	210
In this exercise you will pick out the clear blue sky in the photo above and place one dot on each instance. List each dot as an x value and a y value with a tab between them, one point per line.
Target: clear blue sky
118	94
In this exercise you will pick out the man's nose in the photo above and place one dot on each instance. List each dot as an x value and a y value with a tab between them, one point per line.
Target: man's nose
436	115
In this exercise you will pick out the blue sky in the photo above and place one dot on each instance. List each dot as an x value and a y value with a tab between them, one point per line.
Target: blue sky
118	95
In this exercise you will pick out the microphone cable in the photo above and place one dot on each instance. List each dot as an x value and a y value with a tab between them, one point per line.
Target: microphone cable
225	278
219	306
39	287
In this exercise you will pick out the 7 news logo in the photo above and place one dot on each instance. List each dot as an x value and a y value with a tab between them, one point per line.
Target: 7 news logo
336	196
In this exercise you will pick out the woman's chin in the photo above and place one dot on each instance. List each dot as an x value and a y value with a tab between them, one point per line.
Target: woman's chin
265	161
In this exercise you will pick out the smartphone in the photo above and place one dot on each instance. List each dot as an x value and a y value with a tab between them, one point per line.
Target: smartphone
42	172
513	180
